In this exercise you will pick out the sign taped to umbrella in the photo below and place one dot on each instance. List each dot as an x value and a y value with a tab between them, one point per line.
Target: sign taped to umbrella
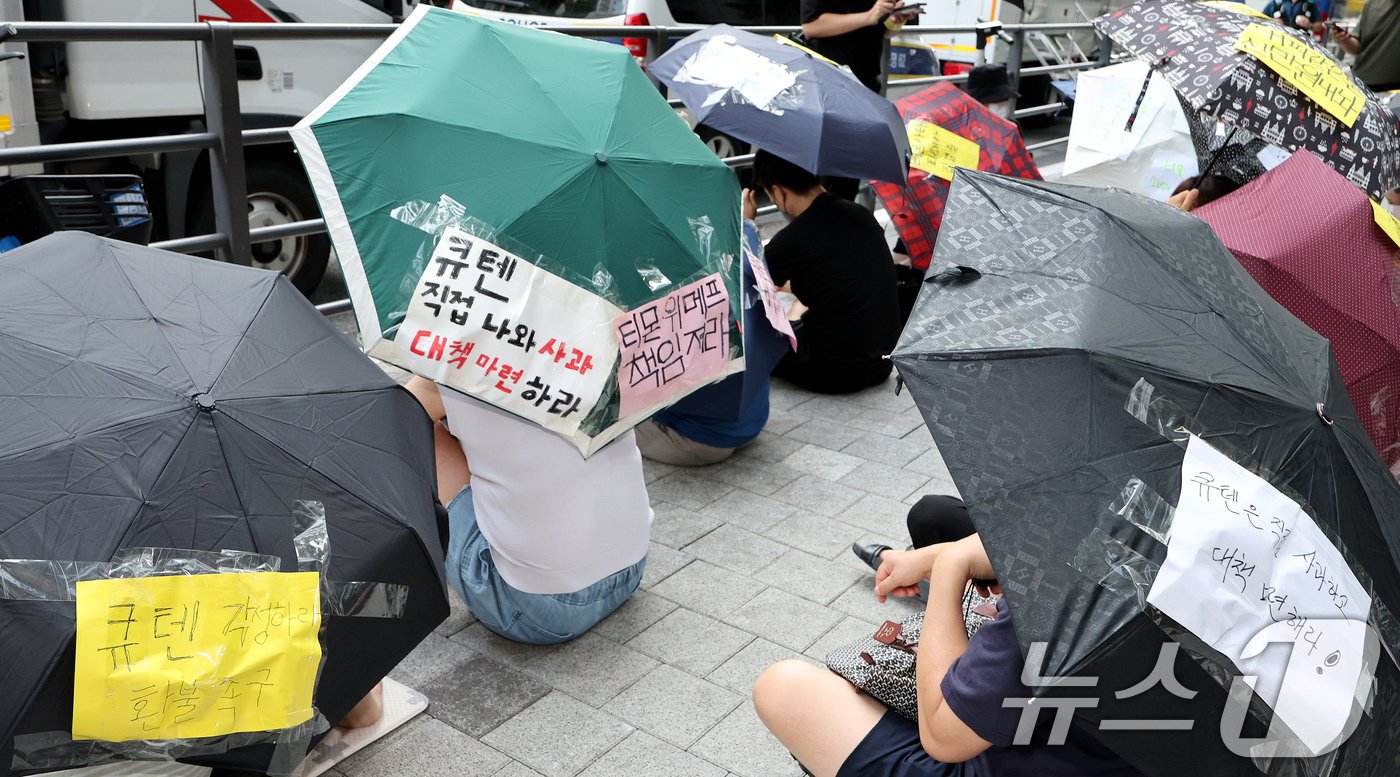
938	151
1305	67
500	268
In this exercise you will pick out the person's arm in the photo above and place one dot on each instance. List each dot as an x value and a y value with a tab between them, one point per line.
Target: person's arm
829	25
943	735
426	392
1349	43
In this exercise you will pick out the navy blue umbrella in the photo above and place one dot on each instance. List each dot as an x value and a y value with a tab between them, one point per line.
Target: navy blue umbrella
781	97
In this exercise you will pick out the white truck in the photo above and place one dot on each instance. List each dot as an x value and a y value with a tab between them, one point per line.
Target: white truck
103	90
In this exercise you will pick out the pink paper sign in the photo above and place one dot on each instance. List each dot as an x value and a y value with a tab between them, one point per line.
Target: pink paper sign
768	292
671	345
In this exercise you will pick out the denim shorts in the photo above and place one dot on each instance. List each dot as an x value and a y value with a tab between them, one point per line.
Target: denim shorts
534	619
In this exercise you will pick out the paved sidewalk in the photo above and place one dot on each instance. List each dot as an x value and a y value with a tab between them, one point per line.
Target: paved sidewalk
749	564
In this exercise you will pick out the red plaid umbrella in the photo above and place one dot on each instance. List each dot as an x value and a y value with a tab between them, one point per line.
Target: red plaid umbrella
917	209
1334	270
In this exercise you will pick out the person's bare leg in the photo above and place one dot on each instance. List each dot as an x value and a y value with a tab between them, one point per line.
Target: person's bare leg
453	472
367	712
817	715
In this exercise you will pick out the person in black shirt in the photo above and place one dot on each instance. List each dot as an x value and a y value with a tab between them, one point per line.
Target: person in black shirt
834	258
852	33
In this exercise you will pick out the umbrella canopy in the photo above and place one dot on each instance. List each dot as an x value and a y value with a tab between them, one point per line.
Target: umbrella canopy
781	97
1086	332
764	347
1227	150
506	253
917	208
1197	48
1343	289
149	399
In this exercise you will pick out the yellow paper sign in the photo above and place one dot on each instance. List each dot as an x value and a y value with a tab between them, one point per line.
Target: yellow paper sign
189	656
1310	70
937	151
1386	222
6	124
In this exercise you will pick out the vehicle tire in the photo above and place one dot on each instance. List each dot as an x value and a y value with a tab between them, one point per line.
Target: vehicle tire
722	145
278	193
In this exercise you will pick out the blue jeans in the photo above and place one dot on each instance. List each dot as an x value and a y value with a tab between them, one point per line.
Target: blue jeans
534	619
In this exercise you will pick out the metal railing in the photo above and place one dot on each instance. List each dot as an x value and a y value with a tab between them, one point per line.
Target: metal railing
225	139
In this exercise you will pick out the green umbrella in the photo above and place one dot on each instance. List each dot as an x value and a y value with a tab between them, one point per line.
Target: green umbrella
520	215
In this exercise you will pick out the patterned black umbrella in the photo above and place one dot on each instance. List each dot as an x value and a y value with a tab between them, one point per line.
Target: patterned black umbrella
1225	150
1194	46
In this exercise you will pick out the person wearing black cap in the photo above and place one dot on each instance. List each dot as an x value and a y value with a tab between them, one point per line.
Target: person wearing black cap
991	86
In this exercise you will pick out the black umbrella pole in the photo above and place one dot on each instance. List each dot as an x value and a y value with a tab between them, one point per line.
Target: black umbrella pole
1216	156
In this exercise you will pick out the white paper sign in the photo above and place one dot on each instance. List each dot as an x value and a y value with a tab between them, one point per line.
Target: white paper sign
721	62
1272	156
1168	169
1243	560
491	324
1106	105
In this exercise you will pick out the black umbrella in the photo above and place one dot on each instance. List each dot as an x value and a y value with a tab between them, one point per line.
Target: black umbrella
1194	46
1222	149
1066	338
153	400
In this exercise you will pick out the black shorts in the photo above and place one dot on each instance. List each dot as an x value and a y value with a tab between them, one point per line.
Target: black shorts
892	749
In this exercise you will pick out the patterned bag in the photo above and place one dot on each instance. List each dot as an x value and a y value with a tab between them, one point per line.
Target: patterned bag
883	665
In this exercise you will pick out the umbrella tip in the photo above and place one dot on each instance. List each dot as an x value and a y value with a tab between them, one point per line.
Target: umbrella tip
601	157
203	401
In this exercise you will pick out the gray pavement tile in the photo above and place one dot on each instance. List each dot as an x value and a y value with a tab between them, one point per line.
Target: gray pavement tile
662	562
859	601
882	397
838	409
748	510
885	480
735	549
435	656
894	451
770	445
655	470
708	589
780	617
498	648
742	745
881	515
785	396
921	431
676	527
516	769
844	633
930	463
739	673
822	462
687	489
641	610
938	484
690	641
674	706
827	434
591	668
816	534
822	497
558	735
808	576
424	746
643	755
759	477
458	617
481	695
885	422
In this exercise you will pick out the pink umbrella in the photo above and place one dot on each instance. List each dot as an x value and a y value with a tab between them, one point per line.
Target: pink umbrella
1310	238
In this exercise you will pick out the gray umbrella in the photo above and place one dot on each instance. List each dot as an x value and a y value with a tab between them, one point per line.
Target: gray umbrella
149	399
783	99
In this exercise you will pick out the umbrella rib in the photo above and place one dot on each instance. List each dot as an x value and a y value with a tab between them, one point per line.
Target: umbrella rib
272	287
106	368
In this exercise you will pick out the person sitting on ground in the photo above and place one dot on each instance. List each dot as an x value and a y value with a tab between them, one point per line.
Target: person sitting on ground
542	543
834	257
964	729
708	425
934	519
1195	191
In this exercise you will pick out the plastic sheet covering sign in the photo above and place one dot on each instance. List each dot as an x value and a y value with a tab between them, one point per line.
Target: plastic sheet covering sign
493	325
187	656
937	151
1102	109
1247	566
1388	223
1309	69
724	64
768	292
672	344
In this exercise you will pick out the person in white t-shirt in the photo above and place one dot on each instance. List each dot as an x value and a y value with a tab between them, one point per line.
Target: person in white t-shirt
543	543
